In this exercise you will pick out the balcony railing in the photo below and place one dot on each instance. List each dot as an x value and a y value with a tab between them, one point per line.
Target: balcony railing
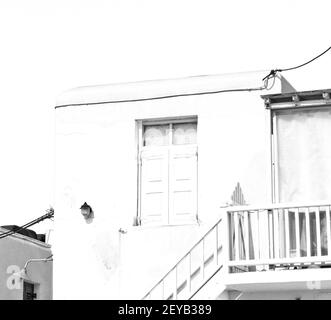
273	237
278	236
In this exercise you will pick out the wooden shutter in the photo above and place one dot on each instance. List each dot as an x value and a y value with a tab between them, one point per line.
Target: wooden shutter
183	184
154	186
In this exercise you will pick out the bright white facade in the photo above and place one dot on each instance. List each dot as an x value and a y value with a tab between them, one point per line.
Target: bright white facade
160	173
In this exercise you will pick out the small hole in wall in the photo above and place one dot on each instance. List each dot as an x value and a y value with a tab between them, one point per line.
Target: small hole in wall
13	281
298	298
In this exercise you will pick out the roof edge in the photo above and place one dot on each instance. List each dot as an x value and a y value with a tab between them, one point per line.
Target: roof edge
152	89
297	96
26	238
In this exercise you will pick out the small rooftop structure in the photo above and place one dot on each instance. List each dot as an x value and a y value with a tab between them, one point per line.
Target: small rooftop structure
25	232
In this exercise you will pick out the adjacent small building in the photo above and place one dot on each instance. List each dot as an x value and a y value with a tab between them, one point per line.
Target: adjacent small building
26	267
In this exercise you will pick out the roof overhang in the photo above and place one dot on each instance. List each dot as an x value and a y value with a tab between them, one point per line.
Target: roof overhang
149	90
25	239
303	99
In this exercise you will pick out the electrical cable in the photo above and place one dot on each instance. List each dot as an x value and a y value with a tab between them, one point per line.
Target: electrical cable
271	74
48	215
301	65
274	71
18	229
26	226
273	83
264	87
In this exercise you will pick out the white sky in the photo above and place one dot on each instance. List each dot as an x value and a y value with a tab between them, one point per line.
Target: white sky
50	46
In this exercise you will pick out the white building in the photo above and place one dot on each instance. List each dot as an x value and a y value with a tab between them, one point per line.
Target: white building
162	165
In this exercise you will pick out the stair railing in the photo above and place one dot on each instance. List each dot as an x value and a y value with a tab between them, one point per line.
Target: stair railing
192	271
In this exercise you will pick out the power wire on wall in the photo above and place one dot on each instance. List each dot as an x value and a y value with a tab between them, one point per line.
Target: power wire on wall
271	75
265	86
49	214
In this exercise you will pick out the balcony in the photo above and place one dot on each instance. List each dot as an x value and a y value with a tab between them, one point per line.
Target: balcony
279	237
273	247
291	238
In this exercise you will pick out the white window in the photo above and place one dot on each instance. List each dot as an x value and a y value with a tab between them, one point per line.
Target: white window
167	172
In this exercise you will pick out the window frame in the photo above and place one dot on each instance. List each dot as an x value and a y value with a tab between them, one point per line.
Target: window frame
273	141
34	293
140	123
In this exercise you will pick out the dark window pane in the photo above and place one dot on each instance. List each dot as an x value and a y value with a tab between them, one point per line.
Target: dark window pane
28	291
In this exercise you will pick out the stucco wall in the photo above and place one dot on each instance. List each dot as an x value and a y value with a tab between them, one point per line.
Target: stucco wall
15	251
96	162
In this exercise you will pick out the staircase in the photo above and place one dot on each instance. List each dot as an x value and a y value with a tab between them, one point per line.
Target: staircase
249	240
193	271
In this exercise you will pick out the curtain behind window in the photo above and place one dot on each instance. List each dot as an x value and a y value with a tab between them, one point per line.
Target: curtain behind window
304	154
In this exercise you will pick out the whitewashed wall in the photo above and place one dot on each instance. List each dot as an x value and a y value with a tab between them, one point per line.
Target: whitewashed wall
96	162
